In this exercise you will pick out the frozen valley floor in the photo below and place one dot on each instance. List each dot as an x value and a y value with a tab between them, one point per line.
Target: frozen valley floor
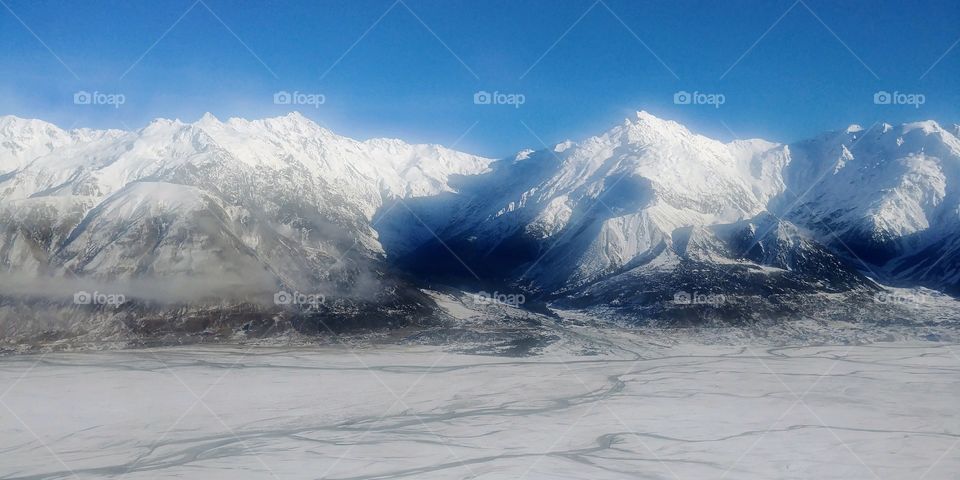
634	410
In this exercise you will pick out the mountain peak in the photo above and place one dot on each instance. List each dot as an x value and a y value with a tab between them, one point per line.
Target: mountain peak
926	126
646	129
208	118
9	119
648	119
297	117
297	122
11	123
164	122
648	122
563	146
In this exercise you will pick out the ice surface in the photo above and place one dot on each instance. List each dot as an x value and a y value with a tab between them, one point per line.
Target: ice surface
634	411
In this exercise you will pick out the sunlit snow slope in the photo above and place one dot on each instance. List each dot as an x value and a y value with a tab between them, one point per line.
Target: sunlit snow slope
230	212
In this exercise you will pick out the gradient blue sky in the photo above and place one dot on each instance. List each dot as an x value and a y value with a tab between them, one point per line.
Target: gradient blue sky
582	66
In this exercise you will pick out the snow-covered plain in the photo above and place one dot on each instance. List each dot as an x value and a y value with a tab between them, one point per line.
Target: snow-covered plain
631	409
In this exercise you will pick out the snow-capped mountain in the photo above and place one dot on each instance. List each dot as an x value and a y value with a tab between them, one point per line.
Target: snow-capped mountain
646	219
887	197
208	211
649	209
590	209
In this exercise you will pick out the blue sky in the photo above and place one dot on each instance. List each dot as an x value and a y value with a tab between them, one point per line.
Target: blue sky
410	69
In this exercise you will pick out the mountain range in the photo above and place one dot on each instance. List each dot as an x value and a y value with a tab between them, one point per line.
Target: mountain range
216	226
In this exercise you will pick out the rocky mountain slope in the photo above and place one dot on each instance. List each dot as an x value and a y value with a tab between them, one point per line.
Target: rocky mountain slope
648	210
888	197
182	219
212	226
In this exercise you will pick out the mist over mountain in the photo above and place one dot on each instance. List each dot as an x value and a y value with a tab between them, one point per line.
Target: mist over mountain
216	225
238	211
